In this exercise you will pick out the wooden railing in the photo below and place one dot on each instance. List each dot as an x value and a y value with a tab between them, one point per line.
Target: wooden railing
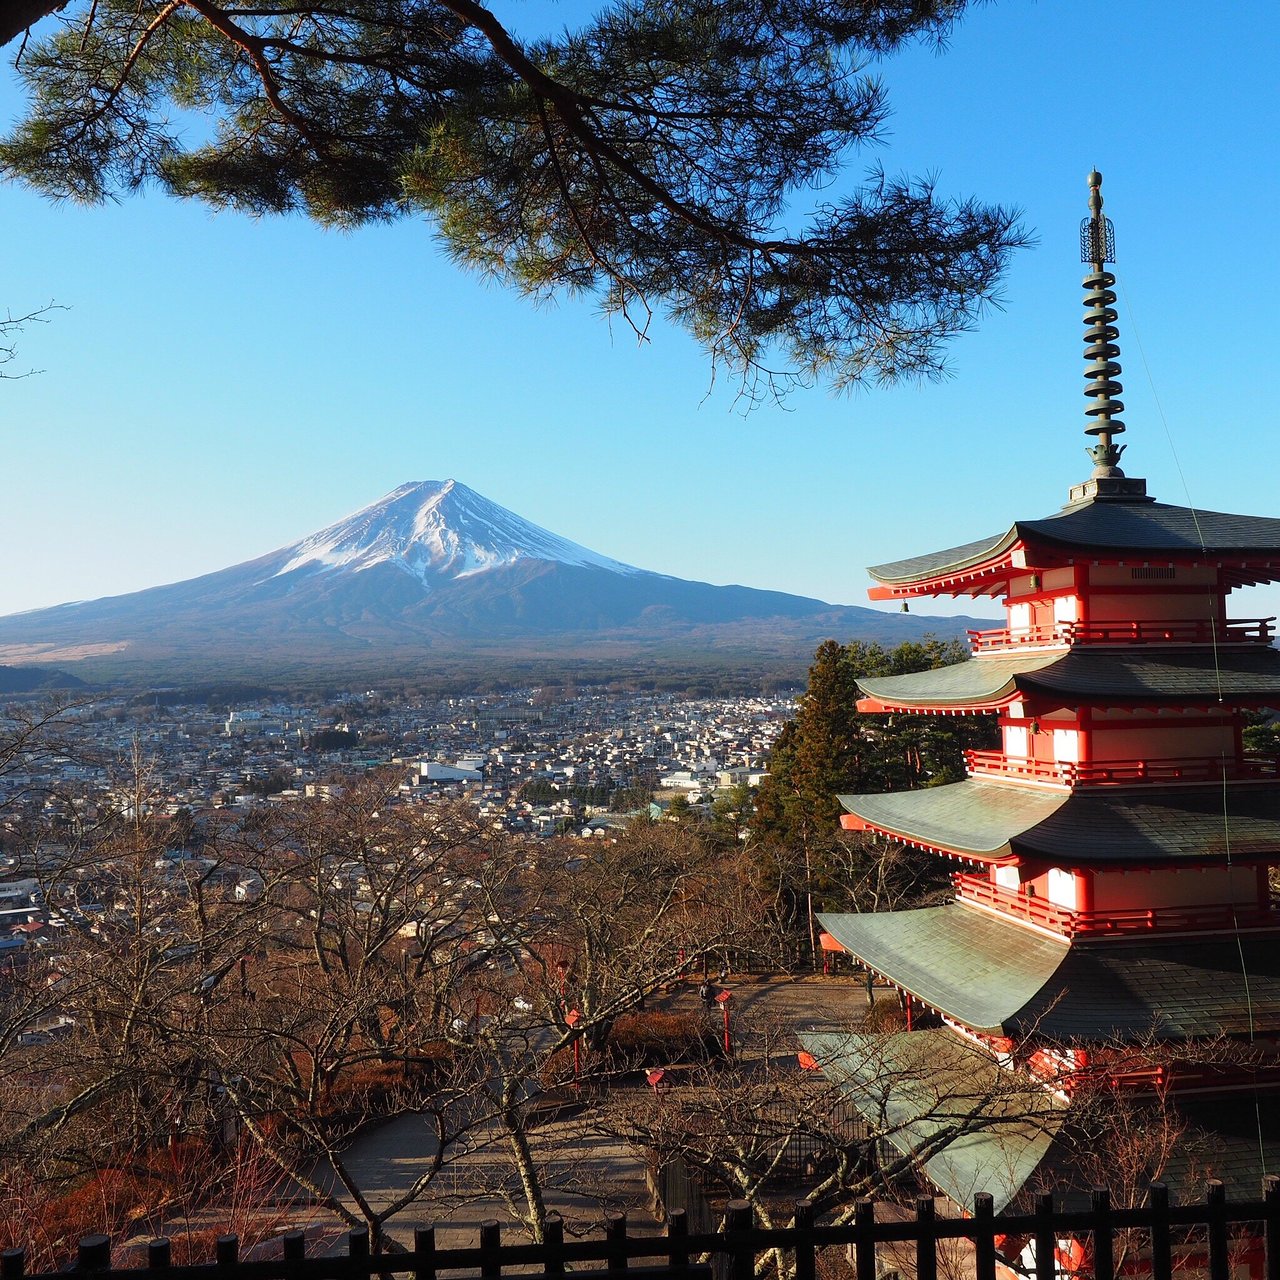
1016	638
1141	631
1102	772
1207	918
973	888
1120	772
1217	1233
997	764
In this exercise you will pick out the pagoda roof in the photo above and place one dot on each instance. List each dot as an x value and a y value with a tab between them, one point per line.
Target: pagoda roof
1094	827
919	1085
1002	978
1235	1139
963	962
1106	528
1086	675
988	1127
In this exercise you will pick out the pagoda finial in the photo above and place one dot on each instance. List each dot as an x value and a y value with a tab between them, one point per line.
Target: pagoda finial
1097	248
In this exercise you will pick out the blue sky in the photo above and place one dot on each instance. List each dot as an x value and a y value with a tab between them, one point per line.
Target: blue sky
220	386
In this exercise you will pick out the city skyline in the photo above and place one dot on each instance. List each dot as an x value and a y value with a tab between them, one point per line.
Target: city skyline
218	387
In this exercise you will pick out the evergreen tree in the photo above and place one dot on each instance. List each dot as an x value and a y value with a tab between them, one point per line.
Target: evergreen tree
830	747
649	158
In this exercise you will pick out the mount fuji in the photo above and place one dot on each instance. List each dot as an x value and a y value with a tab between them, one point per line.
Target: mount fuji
432	574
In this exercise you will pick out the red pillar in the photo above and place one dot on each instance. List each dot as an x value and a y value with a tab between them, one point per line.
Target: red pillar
723	1001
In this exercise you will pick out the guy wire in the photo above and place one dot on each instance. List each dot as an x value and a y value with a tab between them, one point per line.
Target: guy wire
1217	669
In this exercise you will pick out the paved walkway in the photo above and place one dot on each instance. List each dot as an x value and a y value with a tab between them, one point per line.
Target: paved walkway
588	1175
585	1176
810	1003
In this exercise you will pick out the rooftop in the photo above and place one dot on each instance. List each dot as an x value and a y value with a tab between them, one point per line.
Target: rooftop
1112	827
1103	529
1003	978
1172	676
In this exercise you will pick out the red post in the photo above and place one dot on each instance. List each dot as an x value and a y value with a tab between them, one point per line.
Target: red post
654	1079
571	1020
723	1001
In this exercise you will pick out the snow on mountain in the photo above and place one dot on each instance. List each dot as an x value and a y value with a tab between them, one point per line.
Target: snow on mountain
432	575
436	531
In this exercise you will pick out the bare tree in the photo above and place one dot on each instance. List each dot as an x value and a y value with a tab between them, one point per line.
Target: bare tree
581	933
10	327
863	1113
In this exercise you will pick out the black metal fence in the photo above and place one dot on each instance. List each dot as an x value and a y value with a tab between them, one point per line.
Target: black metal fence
1208	1239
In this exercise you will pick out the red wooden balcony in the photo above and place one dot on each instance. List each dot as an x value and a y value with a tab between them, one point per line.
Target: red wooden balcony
995	764
1208	918
979	890
1015	638
1145	631
1119	772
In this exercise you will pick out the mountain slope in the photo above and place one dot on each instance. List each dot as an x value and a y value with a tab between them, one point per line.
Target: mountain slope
432	569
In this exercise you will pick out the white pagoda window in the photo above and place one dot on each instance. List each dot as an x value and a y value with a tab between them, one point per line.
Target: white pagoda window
1016	741
1062	888
1066	746
1019	618
1008	878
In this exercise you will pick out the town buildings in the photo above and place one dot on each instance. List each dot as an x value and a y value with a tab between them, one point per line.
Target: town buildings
530	764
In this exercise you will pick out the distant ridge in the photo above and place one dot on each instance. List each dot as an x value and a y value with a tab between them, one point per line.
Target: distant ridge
431	575
36	680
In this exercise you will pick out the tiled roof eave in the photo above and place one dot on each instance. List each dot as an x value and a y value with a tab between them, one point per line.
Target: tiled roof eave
1245	548
975	821
1112	676
936	707
998	977
1000	857
990	821
980	991
969	563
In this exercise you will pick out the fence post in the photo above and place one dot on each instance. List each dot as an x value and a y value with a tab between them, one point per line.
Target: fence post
424	1248
358	1242
1219	1259
738	1221
553	1245
615	1234
926	1238
12	1264
1271	1196
1103	1244
864	1239
677	1234
490	1245
1046	1237
226	1251
806	1262
1161	1245
295	1246
93	1253
984	1238
159	1252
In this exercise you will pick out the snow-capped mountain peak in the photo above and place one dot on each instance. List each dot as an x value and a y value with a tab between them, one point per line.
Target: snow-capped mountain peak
435	531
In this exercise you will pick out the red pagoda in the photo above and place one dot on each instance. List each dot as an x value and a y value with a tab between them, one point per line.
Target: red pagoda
1113	856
